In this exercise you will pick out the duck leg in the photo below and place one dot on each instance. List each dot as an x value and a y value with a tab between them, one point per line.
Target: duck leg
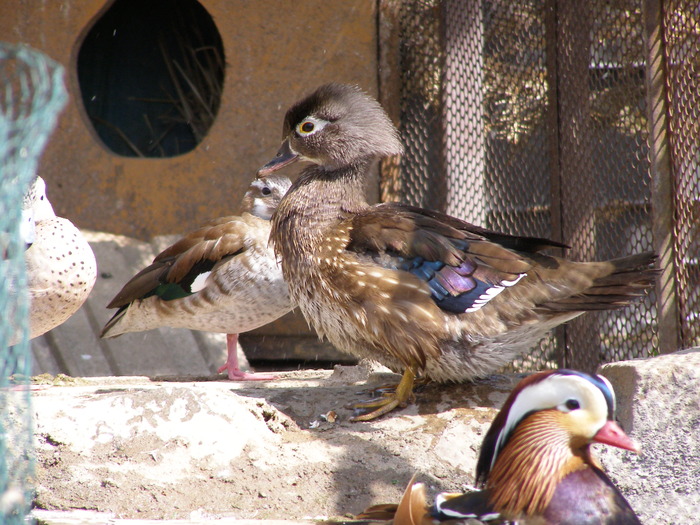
231	365
384	405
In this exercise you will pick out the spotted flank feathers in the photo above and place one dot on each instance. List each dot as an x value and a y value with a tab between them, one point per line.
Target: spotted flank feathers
60	264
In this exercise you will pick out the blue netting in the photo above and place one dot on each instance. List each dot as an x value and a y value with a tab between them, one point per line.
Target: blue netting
31	96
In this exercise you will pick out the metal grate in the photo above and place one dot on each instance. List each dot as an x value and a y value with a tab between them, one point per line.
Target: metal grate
604	168
531	117
681	24
421	124
31	95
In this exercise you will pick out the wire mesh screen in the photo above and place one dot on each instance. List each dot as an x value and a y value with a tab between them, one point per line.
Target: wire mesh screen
681	23
421	106
604	167
531	118
31	94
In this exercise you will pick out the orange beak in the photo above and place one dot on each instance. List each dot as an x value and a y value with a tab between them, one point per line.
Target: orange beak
612	434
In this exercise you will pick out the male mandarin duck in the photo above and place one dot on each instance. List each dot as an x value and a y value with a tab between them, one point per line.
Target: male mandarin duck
60	264
536	465
414	289
223	277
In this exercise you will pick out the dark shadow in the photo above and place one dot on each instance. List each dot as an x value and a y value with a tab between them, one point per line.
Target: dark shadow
151	76
363	449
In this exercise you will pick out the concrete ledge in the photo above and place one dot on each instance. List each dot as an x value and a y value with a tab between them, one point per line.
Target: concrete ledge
143	449
659	405
140	449
88	517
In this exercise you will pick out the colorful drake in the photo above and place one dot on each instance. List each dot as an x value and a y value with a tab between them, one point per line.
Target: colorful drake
61	266
223	277
536	465
417	290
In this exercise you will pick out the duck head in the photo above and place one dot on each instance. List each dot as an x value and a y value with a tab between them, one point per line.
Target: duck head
581	405
335	126
36	200
264	195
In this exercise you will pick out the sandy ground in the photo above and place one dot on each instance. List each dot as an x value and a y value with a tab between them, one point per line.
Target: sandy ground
192	448
146	449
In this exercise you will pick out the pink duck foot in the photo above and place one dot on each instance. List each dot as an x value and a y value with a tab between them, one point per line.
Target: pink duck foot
236	374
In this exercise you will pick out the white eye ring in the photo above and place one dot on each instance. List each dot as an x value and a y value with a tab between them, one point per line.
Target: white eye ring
310	125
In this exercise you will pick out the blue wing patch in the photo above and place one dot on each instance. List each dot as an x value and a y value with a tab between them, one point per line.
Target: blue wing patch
454	288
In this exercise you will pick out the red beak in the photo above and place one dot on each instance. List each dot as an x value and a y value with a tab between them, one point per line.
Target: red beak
612	434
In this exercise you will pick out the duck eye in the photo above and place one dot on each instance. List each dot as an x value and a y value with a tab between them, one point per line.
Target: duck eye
306	127
266	190
572	404
310	125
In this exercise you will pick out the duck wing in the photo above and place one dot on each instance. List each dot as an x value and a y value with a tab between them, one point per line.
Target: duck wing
463	268
182	268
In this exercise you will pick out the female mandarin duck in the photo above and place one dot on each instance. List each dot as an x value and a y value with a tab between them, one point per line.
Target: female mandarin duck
415	289
536	465
223	277
61	266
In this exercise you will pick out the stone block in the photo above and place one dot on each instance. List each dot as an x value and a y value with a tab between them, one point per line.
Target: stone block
659	406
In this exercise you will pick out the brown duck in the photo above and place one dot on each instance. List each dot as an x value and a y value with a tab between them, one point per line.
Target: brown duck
417	290
222	277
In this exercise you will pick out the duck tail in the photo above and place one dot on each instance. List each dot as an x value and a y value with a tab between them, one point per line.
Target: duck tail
411	510
628	279
111	328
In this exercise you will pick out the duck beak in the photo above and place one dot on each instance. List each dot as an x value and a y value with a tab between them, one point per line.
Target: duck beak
612	434
285	156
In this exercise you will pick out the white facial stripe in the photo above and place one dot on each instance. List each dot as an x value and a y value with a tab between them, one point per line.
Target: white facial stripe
550	393
610	387
260	209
